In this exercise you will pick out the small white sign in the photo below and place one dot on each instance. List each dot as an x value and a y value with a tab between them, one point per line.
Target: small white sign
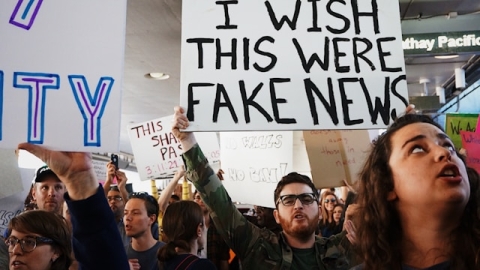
158	153
254	162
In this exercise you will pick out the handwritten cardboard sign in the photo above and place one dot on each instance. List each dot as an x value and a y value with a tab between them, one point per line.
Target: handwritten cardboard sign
471	143
61	68
336	155
291	65
254	162
455	123
157	151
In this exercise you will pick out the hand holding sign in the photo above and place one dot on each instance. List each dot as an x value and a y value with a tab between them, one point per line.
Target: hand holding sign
180	121
74	169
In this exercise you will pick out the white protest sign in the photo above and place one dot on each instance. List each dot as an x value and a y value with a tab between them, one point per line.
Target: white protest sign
13	205
61	68
157	151
100	169
336	155
11	180
254	162
291	65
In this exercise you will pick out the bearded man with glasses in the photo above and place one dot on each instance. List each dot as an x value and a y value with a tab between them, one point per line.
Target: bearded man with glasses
297	211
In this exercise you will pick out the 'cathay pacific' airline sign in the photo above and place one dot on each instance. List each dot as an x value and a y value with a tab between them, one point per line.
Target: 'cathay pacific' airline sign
441	43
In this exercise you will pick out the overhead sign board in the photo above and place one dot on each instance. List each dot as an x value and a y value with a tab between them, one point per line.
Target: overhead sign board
441	43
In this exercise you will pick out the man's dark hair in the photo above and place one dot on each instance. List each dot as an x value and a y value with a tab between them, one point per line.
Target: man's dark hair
150	203
294	177
175	197
114	188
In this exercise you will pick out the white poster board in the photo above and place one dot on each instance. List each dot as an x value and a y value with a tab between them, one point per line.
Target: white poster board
100	169
157	151
254	162
61	69
336	155
291	65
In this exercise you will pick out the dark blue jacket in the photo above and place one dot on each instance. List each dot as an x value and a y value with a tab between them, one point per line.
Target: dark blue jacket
96	240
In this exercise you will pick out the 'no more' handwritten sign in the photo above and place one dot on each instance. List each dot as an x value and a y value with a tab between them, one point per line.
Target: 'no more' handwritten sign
292	65
61	68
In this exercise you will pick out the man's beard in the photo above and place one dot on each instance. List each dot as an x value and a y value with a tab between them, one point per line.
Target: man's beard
300	231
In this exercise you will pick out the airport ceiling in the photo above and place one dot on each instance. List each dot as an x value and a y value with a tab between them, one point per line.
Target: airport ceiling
153	36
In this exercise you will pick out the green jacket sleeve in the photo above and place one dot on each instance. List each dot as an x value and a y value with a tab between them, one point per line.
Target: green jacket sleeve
237	232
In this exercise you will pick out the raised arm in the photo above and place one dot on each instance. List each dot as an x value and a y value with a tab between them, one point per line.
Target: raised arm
96	240
109	177
167	192
122	184
237	232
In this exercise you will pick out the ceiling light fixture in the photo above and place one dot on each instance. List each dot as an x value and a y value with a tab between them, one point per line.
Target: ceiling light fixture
448	56
157	76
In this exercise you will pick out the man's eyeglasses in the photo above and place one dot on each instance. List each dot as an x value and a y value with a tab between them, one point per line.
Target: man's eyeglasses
28	243
290	199
114	198
329	200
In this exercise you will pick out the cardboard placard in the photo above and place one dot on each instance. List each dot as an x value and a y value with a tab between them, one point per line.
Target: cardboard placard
336	155
61	69
157	151
254	162
291	65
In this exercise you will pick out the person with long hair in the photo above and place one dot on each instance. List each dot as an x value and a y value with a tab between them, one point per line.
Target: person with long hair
183	225
327	204
39	240
417	207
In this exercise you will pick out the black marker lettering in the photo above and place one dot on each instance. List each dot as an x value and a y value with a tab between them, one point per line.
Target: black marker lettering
232	54
330	107
314	27
279	24
357	14
276	101
216	106
268	54
227	24
345	102
338	54
314	57
249	101
200	42
346	21
357	54
382	55
192	102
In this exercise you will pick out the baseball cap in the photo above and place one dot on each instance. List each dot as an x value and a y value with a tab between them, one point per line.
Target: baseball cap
43	173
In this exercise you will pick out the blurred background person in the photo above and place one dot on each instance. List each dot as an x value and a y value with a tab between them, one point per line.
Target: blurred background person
326	224
184	228
48	190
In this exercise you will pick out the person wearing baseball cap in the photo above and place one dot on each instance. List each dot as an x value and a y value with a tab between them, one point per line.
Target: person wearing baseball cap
48	190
